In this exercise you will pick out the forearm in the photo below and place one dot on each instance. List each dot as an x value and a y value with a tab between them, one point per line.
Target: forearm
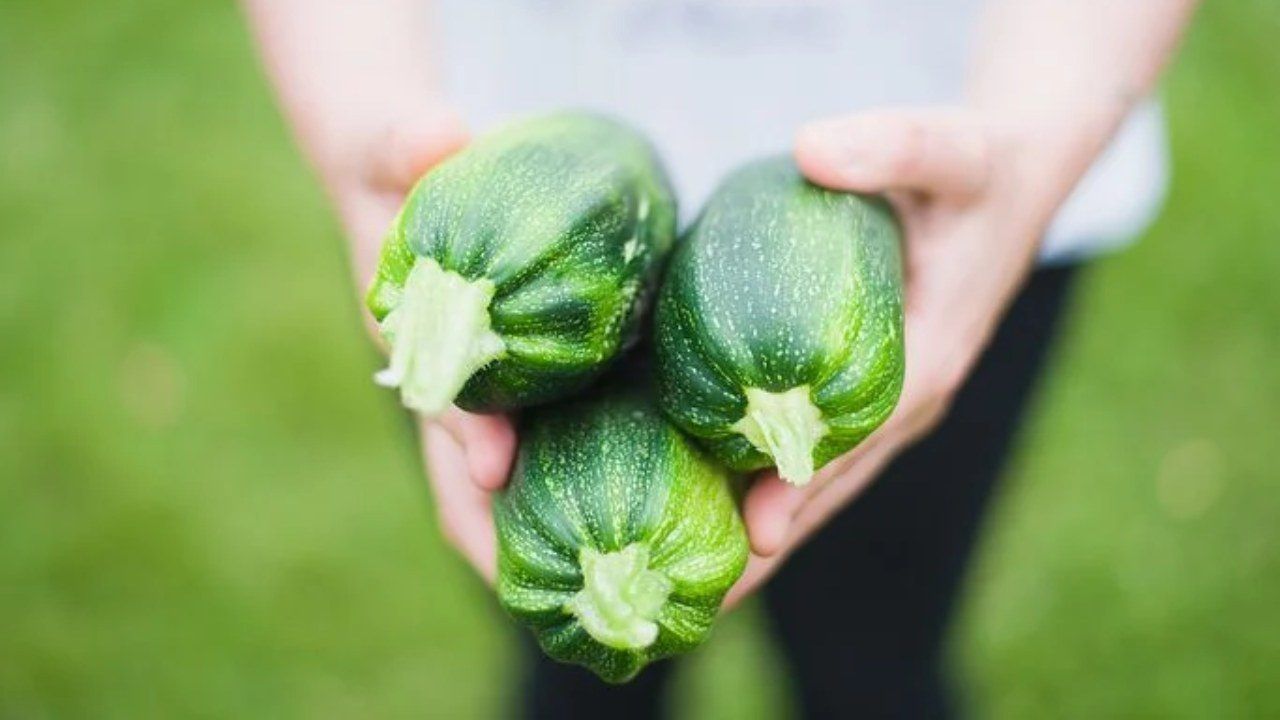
346	71
1055	78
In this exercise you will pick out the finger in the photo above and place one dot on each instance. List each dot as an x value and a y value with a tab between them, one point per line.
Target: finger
464	510
772	504
937	152
861	468
767	510
759	569
779	515
408	148
489	443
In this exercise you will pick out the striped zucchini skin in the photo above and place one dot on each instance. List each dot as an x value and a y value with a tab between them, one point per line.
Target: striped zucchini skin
569	217
780	285
602	475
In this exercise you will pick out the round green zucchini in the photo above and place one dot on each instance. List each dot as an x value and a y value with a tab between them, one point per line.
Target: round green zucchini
779	326
617	537
517	269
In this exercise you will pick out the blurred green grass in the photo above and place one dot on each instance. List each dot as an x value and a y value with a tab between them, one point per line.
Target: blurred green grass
206	508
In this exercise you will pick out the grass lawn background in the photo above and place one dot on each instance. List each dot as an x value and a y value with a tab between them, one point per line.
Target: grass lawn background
207	508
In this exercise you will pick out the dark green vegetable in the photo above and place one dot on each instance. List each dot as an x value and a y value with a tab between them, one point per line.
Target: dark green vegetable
617	538
779	326
517	269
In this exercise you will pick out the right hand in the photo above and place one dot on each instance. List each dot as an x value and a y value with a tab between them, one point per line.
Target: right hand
468	456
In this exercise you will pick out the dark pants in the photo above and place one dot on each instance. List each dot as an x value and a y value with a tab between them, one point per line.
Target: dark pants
862	609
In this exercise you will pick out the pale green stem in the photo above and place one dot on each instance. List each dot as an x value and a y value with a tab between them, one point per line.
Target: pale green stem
439	335
620	597
787	427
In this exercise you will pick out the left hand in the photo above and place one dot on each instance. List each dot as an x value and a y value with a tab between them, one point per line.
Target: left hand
468	456
971	236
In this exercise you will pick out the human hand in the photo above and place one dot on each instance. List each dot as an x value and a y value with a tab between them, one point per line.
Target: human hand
369	173
971	228
467	456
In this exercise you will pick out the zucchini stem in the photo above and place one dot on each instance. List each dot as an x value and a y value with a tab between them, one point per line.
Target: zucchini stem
439	336
786	426
621	597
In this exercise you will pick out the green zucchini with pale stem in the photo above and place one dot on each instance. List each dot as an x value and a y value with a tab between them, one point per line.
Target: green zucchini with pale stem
779	327
516	270
617	537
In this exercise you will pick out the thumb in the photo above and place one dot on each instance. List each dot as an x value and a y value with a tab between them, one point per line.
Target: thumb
408	148
937	152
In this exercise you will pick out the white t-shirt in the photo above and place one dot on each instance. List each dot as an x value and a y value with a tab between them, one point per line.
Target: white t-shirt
715	83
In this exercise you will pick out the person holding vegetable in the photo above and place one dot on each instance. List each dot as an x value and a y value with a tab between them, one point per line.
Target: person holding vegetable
1014	139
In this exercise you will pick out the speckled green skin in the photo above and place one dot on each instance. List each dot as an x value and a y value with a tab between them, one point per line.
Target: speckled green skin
780	284
570	216
606	472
